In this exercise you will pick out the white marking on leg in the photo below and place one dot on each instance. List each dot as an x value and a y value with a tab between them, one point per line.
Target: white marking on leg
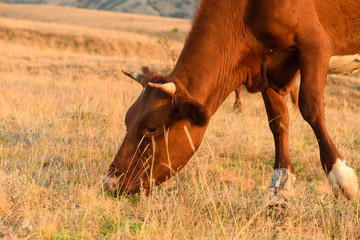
343	180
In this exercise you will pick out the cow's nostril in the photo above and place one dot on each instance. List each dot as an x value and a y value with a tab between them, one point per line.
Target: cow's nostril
111	183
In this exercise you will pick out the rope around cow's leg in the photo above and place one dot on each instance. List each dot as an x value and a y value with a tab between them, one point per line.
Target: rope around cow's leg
281	187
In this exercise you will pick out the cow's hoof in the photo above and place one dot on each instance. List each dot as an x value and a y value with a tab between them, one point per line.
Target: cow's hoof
277	197
277	205
343	180
237	107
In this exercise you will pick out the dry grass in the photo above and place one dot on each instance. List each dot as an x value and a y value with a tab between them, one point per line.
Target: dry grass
61	123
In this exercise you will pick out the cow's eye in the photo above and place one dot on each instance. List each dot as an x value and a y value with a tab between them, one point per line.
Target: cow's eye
151	130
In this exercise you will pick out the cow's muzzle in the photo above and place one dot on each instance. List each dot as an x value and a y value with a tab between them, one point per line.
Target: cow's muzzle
112	183
119	185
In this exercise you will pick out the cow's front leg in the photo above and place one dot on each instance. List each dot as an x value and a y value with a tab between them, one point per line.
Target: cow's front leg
315	52
281	187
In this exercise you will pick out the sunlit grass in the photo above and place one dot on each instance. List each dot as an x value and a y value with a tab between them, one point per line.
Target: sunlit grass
61	126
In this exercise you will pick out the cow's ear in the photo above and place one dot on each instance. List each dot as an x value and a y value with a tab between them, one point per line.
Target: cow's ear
193	111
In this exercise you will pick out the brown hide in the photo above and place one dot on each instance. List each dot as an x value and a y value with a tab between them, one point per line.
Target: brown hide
261	44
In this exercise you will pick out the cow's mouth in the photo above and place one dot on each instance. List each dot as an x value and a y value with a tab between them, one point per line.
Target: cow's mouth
120	186
120	182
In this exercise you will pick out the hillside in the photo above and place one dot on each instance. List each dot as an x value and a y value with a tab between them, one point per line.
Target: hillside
172	8
127	36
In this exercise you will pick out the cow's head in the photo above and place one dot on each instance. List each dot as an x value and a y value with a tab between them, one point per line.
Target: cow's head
164	128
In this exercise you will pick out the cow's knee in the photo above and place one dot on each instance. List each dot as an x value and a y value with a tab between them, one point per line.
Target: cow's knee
311	108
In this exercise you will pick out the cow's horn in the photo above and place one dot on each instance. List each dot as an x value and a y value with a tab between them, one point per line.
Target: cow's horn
169	87
136	76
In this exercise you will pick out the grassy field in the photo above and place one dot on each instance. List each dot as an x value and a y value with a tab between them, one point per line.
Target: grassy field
62	108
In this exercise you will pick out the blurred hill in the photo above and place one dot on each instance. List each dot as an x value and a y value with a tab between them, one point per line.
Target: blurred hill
167	8
88	37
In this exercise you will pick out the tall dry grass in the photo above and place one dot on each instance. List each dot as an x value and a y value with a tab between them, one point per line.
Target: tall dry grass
62	121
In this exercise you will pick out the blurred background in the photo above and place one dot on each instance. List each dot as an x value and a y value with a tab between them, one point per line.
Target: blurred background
166	8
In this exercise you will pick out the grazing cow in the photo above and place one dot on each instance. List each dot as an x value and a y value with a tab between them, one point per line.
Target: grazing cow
261	44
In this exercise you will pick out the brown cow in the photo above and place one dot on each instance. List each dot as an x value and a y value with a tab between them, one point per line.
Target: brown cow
261	44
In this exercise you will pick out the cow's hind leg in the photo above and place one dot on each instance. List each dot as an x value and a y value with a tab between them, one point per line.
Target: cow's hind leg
315	51
238	104
294	94
281	187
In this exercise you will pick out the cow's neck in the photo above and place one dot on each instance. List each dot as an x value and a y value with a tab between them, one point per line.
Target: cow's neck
211	64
